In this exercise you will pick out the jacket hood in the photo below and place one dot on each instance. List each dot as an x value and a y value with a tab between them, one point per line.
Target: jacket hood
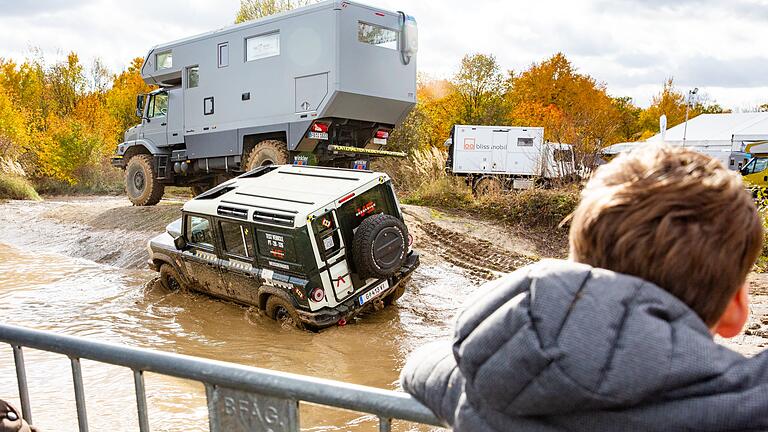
565	345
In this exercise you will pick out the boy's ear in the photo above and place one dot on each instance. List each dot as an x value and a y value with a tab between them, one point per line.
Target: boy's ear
735	315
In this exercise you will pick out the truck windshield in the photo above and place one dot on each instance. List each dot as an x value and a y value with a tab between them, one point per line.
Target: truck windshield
756	166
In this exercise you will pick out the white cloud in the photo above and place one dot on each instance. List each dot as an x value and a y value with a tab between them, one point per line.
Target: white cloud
631	45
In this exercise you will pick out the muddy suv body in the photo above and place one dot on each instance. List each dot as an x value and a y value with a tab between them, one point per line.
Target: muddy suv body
316	245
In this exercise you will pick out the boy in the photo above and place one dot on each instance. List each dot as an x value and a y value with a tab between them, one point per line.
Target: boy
619	337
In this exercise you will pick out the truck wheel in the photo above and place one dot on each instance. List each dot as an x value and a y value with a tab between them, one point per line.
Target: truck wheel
140	183
488	186
380	245
282	311
169	278
269	152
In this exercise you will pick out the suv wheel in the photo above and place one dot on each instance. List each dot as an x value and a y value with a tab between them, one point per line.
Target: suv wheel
169	278
282	311
140	183
380	246
270	152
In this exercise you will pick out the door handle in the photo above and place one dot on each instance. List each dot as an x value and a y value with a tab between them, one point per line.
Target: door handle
163	124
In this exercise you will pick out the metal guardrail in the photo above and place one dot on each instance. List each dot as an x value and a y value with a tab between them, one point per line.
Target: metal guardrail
240	398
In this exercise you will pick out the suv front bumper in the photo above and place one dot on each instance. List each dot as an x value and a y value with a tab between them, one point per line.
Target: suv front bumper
350	307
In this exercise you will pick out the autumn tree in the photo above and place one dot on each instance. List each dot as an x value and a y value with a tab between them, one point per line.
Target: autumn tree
480	87
255	9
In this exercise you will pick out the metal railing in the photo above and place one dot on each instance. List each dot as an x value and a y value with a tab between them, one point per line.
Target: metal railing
232	390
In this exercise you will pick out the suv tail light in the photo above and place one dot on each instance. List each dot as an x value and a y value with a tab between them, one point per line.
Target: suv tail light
319	127
317	295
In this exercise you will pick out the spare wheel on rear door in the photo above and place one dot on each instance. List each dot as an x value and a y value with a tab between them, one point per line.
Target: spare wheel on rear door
380	246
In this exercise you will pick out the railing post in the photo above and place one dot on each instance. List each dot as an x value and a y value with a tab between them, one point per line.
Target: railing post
77	379
141	400
21	378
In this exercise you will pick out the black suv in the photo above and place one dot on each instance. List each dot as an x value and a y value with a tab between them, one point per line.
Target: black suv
307	244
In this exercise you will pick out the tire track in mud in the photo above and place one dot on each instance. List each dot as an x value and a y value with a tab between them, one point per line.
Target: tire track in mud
482	259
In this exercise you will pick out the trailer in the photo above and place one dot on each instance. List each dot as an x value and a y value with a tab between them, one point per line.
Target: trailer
506	157
319	85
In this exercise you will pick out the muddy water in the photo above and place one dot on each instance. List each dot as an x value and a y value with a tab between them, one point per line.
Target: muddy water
44	287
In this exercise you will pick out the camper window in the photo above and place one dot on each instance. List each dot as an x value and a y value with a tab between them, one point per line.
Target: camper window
193	76
164	60
223	54
376	35
259	47
525	142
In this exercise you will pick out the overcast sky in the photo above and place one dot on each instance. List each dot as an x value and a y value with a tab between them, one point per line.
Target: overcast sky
631	45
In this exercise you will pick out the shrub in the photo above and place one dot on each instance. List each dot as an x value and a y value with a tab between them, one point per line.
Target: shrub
16	187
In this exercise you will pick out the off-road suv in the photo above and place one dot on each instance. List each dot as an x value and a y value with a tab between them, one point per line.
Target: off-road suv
307	244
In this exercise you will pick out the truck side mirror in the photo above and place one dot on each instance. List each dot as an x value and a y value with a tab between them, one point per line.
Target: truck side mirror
140	105
180	242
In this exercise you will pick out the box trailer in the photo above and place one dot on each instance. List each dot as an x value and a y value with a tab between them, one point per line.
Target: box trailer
506	157
322	84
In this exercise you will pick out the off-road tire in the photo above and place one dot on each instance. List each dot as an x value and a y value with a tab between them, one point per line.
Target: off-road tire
169	278
281	310
380	246
140	183
488	186
269	152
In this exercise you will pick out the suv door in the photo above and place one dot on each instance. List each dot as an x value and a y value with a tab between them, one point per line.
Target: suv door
200	260
238	274
156	122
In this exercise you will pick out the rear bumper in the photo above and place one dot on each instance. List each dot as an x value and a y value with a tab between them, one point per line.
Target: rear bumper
349	308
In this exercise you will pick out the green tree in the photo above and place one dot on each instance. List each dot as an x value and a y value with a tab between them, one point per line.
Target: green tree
480	87
255	9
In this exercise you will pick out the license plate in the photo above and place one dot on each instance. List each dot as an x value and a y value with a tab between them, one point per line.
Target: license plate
318	135
378	289
380	141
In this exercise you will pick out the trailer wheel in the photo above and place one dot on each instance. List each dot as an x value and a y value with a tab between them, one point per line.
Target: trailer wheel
269	152
140	183
282	311
380	245
487	185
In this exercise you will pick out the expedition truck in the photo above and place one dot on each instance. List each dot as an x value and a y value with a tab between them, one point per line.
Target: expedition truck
505	157
755	171
319	85
307	244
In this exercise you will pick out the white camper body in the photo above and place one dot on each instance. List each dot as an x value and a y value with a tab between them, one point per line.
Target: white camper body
507	151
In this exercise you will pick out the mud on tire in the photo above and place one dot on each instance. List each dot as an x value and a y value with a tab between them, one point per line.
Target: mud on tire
380	246
140	183
282	311
169	278
269	152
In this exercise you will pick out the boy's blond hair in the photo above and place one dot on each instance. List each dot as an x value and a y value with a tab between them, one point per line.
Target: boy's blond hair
674	217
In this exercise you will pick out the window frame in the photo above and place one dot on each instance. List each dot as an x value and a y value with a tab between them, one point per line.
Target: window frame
247	237
186	225
152	105
257	36
158	67
361	23
219	57
188	70
526	140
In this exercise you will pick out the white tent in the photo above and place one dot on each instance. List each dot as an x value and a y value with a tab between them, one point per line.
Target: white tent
723	136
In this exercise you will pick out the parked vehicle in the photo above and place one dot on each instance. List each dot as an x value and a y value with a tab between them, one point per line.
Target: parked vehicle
313	245
506	157
322	84
755	171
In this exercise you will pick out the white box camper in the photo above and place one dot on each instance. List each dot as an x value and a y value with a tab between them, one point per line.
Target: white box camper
506	156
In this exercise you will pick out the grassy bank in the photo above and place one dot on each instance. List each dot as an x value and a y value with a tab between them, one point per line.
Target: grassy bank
17	188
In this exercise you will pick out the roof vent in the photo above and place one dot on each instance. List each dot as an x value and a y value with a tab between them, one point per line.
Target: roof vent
258	171
216	192
273	218
232	212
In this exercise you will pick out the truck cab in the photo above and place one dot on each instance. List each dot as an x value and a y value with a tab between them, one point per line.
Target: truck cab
324	84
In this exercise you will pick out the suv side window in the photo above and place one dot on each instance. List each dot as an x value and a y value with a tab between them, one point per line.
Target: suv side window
198	232
237	238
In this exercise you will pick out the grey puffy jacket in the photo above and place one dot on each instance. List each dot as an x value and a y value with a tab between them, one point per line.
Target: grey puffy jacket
560	346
